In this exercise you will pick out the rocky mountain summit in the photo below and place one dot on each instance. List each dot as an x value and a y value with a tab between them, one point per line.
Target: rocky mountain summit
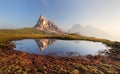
47	26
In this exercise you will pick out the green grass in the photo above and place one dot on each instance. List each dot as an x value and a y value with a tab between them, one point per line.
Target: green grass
21	31
7	35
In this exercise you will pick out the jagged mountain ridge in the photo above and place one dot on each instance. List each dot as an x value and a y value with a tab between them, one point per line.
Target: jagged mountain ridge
47	26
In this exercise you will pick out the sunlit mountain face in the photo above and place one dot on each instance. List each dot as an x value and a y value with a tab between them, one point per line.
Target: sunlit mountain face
47	26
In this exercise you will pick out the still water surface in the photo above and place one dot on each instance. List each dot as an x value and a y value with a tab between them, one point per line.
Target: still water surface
59	47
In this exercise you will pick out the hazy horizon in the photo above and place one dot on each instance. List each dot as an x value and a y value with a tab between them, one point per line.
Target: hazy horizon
102	14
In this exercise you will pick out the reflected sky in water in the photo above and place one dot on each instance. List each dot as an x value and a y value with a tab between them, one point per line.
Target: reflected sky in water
59	47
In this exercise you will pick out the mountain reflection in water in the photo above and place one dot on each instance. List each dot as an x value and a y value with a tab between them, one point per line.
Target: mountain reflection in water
59	47
44	43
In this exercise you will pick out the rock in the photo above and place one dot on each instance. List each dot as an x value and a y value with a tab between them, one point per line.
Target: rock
75	71
47	26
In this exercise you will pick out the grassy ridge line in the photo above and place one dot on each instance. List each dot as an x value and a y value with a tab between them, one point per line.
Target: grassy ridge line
6	38
112	44
10	37
21	31
7	35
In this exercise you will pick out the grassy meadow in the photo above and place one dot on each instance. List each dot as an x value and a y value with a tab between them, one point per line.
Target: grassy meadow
8	35
12	61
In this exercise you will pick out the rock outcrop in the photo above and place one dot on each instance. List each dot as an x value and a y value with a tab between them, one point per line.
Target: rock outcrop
47	26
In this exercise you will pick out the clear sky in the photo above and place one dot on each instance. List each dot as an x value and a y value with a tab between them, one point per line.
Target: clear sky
103	14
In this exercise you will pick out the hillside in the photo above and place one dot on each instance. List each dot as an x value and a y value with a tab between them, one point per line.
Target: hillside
21	31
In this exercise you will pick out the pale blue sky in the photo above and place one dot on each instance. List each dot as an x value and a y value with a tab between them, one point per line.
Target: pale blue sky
104	14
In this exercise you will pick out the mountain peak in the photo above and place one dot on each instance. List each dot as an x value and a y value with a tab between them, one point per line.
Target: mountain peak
42	17
47	26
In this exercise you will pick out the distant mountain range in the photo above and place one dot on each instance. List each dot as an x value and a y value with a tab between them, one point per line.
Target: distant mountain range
47	26
89	31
